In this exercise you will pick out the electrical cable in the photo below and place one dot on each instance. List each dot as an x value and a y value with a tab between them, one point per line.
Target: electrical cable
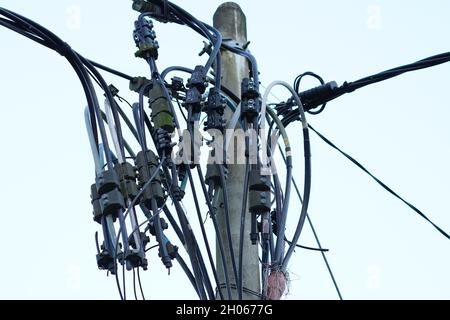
134	285
316	237
205	237
191	248
242	227
125	143
226	211
132	204
307	215
330	91
224	89
140	284
306	247
123	282
55	43
216	228
382	184
111	70
188	272
307	183
92	143
85	67
297	89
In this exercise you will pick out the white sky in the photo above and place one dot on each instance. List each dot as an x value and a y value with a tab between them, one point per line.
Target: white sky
379	248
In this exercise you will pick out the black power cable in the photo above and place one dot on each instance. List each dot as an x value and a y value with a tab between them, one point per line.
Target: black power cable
205	237
326	92
43	36
381	183
242	227
216	227
297	89
313	229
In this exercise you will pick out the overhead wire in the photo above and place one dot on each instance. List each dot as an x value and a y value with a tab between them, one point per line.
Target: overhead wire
381	183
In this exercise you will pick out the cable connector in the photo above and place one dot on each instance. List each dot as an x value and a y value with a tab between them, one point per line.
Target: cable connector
144	37
248	89
172	250
215	107
196	84
259	198
151	226
250	103
176	86
257	181
127	180
194	100
182	171
259	201
105	195
177	192
145	240
159	12
212	177
113	90
106	181
166	259
164	142
137	83
135	258
264	226
147	164
317	96
105	260
95	201
198	79
161	115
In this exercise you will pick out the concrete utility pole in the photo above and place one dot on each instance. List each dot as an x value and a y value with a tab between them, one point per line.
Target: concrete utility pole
230	20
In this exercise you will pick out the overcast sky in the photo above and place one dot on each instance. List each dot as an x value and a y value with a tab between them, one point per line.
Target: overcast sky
379	248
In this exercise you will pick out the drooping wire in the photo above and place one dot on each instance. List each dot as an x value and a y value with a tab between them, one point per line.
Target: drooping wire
297	89
381	183
134	285
140	284
316	237
218	235
205	238
123	282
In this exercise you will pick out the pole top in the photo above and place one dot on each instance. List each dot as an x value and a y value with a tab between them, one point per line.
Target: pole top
230	20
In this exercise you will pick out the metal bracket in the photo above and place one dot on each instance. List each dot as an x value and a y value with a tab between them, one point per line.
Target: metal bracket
207	47
234	44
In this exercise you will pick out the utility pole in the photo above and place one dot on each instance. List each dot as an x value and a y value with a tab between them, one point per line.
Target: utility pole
230	20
